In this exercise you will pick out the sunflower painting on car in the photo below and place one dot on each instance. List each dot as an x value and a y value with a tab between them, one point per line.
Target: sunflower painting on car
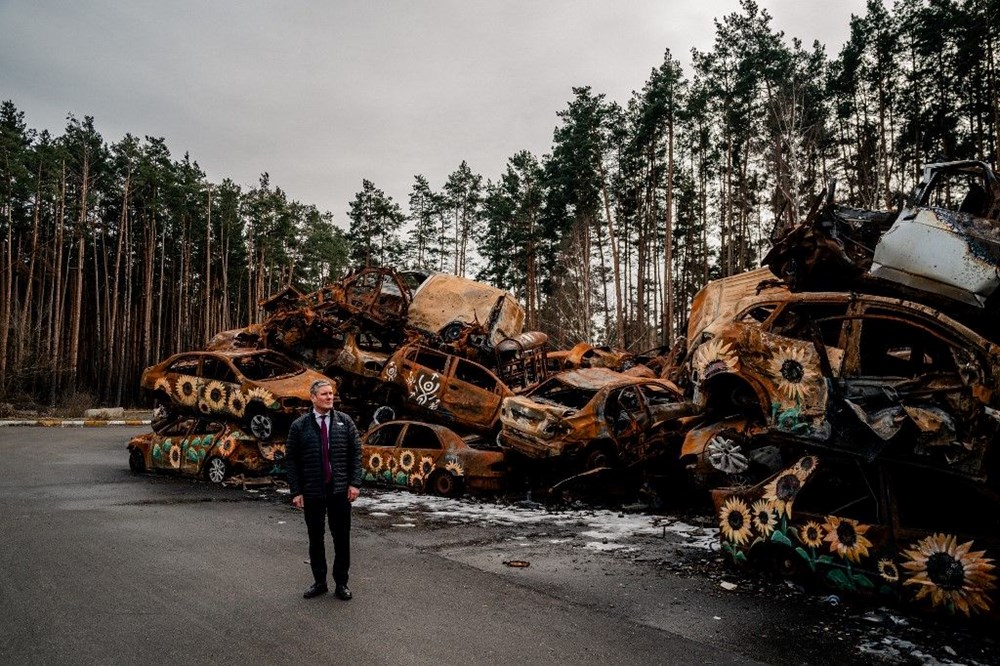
857	547
433	458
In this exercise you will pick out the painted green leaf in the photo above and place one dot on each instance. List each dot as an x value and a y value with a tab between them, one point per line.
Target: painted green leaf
805	556
401	478
840	579
739	556
824	559
863	581
779	537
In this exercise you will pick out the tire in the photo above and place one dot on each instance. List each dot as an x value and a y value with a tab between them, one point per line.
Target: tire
216	469
599	455
262	426
452	331
445	484
136	461
383	414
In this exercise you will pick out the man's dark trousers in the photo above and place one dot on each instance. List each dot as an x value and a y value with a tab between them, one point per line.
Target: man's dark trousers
336	508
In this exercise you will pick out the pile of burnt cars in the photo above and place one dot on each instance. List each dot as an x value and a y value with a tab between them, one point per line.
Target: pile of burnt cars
851	406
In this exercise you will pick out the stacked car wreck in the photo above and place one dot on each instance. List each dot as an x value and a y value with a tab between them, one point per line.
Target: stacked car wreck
841	403
852	405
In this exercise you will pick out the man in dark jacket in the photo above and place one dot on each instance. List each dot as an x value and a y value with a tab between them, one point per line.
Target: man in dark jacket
323	462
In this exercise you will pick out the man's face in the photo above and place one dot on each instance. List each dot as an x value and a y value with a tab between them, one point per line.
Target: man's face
322	399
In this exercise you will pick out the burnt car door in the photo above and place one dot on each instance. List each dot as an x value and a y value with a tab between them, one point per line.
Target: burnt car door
472	394
183	376
378	455
914	385
167	446
418	452
794	354
217	382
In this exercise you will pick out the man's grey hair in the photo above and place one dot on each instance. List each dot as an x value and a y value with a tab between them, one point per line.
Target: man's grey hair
318	384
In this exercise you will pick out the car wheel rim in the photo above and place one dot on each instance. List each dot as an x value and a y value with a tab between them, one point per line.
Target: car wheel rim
726	455
260	426
216	470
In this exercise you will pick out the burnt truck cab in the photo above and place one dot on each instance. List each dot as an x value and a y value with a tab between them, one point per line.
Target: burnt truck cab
946	239
870	376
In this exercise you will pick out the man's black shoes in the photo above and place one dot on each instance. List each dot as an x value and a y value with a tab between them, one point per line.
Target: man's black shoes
315	590
343	593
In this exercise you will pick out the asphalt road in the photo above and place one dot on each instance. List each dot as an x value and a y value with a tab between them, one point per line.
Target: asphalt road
100	565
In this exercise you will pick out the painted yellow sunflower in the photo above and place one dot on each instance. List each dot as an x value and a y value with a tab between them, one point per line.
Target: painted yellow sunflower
953	576
805	466
416	480
782	492
391	464
713	357
765	518
262	394
847	538
792	368
426	466
888	570
734	521
186	390
214	395
375	462
811	534
163	384
237	404
407	460
175	456
455	467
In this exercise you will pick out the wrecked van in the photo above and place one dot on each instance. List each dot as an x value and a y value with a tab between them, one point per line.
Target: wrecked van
870	376
594	416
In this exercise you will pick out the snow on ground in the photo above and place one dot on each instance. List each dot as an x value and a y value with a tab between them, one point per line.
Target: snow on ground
602	529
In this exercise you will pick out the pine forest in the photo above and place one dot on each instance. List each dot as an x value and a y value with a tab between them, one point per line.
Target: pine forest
114	253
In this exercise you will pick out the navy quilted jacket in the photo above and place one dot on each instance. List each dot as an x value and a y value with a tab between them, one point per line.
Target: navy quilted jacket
304	455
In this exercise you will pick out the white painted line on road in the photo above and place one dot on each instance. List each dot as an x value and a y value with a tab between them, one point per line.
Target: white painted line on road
73	423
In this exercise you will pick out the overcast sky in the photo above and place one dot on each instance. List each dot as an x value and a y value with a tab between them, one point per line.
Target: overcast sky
323	93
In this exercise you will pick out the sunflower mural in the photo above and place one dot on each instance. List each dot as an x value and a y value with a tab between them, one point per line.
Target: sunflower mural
794	371
416	481
952	576
186	390
263	395
214	395
765	517
406	461
163	384
782	491
375	464
237	404
455	467
425	466
175	456
734	525
714	357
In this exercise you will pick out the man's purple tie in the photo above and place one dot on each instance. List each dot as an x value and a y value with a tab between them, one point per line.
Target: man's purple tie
325	437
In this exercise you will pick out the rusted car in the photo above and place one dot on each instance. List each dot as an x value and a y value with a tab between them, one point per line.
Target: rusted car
453	308
913	535
203	448
424	456
261	389
443	387
871	376
586	355
596	417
